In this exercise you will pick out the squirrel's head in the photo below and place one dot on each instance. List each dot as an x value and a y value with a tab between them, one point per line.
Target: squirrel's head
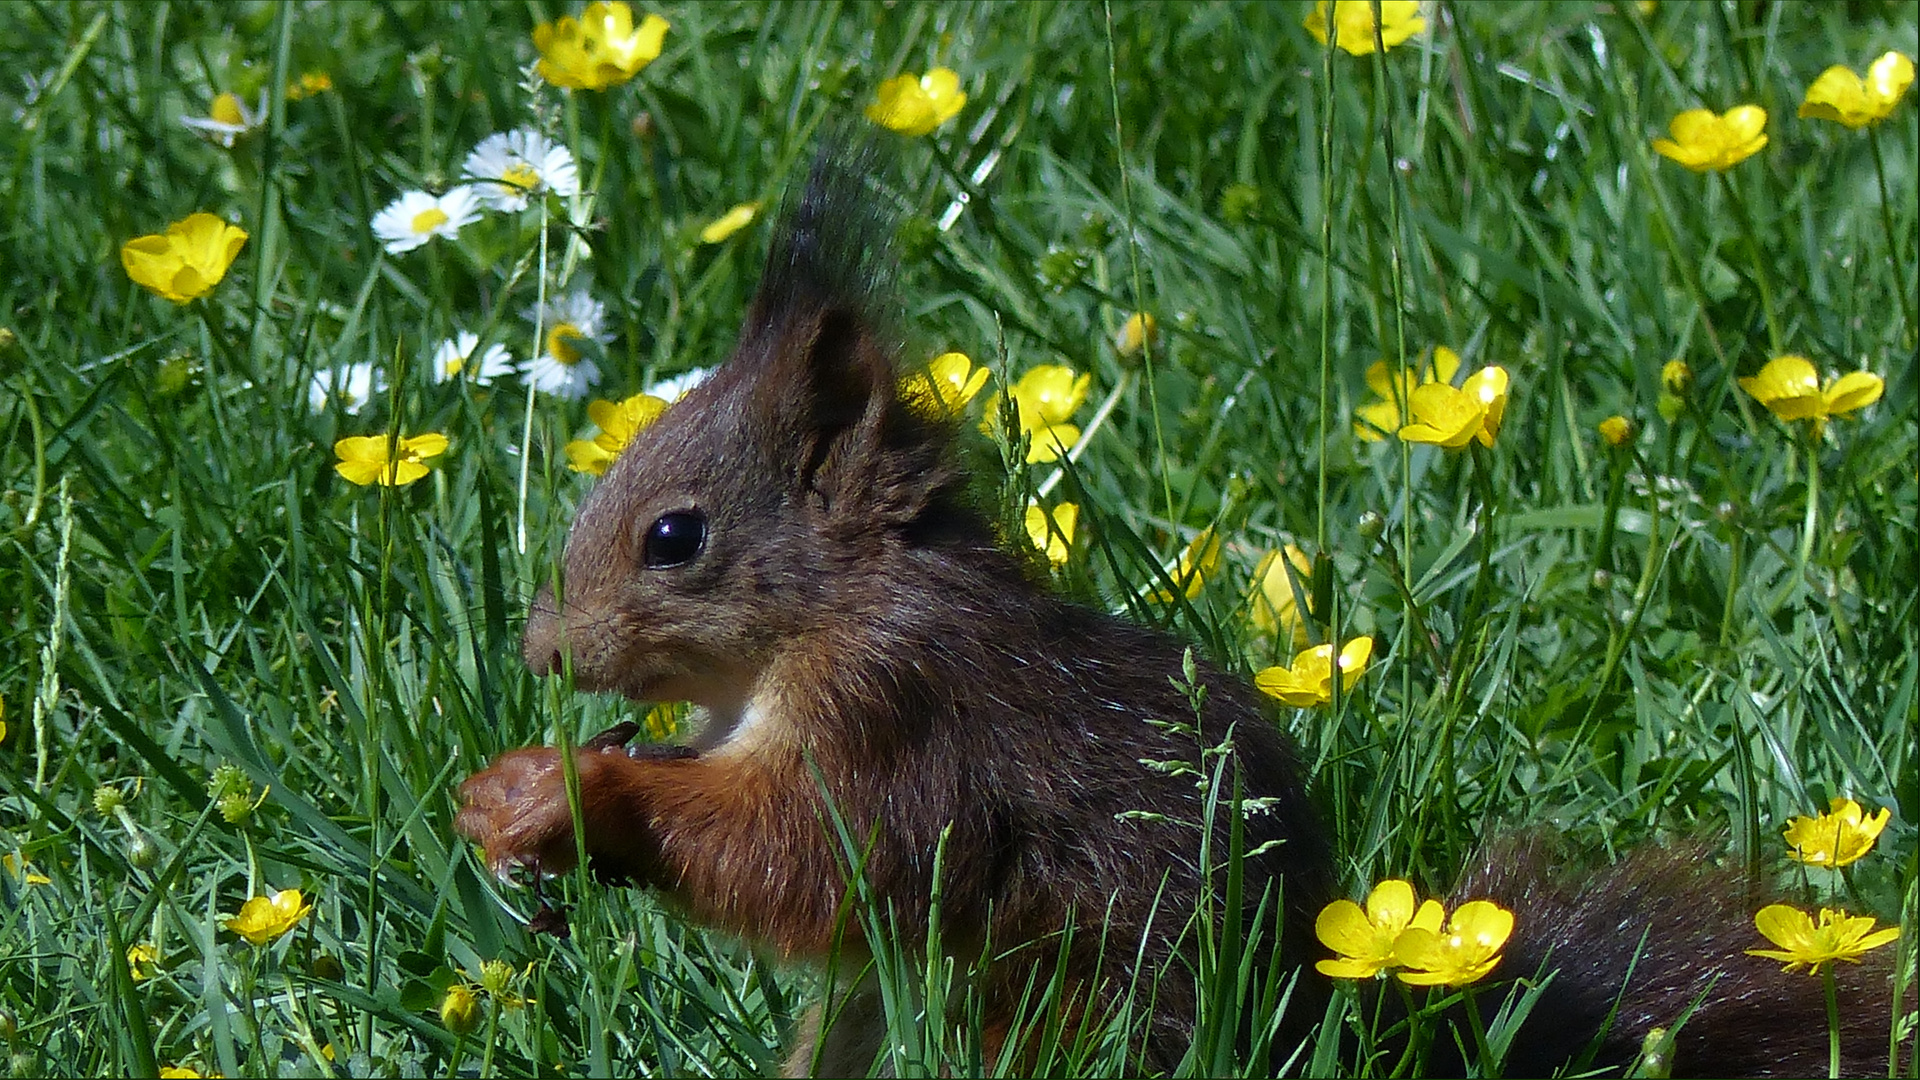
778	497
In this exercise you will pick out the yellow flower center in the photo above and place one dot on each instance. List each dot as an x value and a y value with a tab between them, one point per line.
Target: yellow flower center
226	109
428	220
520	176
560	341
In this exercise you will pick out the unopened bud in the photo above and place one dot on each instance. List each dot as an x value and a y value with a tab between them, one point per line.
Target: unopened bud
1677	378
1372	526
460	1010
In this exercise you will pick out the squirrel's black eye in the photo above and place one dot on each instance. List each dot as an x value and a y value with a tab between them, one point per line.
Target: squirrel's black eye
674	539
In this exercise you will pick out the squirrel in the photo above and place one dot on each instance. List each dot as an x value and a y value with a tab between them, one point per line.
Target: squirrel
791	547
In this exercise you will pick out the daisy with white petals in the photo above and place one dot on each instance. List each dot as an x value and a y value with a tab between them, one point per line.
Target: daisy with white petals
508	170
417	217
351	387
228	119
569	323
455	358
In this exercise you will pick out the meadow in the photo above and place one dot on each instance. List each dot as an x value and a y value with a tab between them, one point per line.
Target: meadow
1667	593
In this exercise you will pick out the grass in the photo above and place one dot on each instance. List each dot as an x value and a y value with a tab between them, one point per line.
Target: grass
1687	637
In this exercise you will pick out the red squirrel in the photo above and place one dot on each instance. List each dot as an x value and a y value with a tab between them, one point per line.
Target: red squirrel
791	547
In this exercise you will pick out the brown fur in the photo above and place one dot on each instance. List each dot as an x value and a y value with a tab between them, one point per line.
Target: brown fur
849	614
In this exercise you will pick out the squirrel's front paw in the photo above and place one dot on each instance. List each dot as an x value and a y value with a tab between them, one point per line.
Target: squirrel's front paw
516	810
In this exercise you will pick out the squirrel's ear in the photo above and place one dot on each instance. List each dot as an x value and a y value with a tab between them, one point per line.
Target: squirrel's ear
827	395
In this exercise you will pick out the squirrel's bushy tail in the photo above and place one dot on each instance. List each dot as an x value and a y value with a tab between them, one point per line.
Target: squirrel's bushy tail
1672	928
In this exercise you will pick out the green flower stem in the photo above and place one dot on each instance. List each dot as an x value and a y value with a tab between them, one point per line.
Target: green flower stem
1326	284
1477	599
1610	516
1752	234
1488	1066
1813	505
1133	261
1411	1057
1886	221
1417	627
1833	1020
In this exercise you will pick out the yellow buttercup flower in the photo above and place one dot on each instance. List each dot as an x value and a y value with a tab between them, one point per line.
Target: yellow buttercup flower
601	48
141	960
1198	560
1046	397
187	260
1381	417
264	918
1053	533
1838	936
1845	98
1365	939
1353	23
1274	609
363	458
1309	682
1790	389
618	425
1462	952
1841	835
916	105
1706	141
948	382
1616	431
1452	418
729	223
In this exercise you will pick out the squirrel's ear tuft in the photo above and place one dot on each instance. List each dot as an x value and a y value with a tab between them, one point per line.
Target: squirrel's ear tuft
823	384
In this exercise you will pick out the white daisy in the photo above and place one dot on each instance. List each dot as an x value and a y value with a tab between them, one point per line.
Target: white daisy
562	369
417	217
509	169
672	390
455	357
228	119
352	386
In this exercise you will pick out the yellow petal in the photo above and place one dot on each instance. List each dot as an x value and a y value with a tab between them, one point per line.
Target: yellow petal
1785	926
1854	390
1785	379
729	223
1390	904
429	445
1888	79
1446	364
1837	95
1443	415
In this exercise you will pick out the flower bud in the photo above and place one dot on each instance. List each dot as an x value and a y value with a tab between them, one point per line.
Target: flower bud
460	1010
1617	431
327	966
1602	580
1677	378
1726	512
1372	526
142	852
